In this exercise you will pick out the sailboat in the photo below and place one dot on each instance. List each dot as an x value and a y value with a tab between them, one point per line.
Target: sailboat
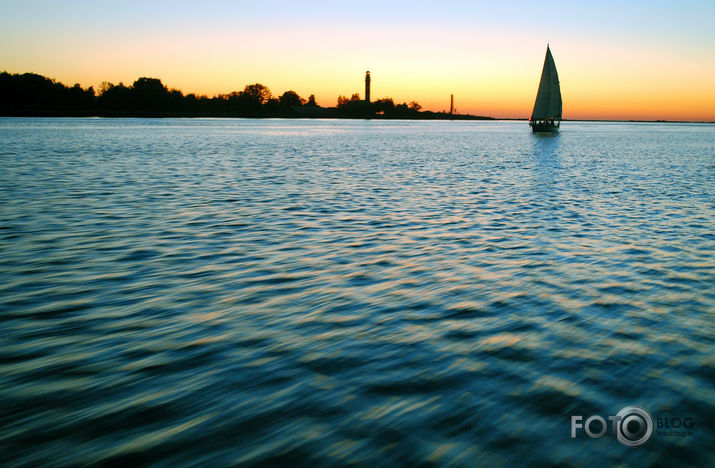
546	116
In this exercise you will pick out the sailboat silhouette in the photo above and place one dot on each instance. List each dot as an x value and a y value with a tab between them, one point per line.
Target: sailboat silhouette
546	116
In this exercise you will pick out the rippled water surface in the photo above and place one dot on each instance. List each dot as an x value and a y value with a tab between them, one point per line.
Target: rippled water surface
199	291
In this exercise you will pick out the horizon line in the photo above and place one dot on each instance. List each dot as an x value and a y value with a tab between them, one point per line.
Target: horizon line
220	94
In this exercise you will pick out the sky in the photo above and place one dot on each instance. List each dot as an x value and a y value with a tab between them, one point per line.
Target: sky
616	59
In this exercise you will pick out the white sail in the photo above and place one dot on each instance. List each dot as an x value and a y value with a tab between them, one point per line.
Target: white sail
548	99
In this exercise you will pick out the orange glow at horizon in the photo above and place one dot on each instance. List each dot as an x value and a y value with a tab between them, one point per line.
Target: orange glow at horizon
492	72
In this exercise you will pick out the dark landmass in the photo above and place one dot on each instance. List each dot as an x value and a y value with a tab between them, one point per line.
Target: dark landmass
32	95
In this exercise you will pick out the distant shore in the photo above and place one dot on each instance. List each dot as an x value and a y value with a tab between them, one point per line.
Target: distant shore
33	95
324	113
423	115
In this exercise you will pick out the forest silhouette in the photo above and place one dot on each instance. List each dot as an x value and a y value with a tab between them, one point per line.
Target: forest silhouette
30	94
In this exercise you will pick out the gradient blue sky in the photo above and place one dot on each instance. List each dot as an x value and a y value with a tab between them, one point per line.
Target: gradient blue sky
634	59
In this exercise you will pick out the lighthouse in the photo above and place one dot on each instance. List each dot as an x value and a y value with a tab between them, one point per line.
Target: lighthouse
367	86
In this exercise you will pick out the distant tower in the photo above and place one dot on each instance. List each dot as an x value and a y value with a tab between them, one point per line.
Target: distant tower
367	86
451	104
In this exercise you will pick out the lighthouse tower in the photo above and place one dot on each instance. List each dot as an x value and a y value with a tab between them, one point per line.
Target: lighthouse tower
367	86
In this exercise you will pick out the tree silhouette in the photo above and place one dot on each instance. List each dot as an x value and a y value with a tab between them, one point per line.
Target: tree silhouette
345	102
251	100
291	98
257	93
113	97
384	105
34	94
272	106
149	94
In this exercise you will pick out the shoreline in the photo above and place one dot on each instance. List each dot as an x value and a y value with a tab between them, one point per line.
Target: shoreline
317	113
327	115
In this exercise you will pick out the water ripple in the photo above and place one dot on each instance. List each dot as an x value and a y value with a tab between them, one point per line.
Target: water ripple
333	292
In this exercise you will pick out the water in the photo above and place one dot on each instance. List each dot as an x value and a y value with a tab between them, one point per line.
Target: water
197	291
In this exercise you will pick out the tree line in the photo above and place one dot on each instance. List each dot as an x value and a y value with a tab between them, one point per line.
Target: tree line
30	94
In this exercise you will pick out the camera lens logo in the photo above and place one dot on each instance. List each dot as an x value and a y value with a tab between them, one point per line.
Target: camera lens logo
634	426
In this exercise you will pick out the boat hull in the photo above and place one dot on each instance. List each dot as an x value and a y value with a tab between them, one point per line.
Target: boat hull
544	127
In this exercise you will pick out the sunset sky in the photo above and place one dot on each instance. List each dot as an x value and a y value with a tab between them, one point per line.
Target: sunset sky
616	59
